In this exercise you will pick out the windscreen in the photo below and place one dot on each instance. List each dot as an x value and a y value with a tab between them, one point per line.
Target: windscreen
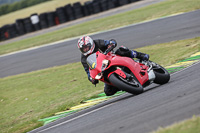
92	61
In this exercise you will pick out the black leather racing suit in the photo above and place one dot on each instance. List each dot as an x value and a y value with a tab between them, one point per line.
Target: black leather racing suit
100	45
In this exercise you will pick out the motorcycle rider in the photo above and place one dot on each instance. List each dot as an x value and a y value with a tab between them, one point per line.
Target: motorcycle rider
88	46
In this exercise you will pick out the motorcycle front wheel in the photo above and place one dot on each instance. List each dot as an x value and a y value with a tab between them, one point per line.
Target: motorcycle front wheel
161	74
124	85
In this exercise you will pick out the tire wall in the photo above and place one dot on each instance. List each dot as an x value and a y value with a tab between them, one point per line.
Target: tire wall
61	15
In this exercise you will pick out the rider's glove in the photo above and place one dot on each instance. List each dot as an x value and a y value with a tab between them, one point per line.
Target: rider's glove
146	57
93	81
112	43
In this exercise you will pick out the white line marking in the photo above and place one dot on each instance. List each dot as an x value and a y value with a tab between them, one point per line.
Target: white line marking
75	118
185	68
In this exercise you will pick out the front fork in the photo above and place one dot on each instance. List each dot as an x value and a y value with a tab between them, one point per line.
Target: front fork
150	71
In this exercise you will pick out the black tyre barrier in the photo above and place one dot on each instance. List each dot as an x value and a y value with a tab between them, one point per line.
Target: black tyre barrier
96	7
115	2
36	26
78	12
1	35
60	12
43	20
88	8
12	31
8	32
134	0
20	26
111	4
35	21
69	12
51	19
28	25
4	32
123	2
104	5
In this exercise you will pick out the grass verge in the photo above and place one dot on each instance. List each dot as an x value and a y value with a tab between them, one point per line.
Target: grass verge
188	126
138	15
25	98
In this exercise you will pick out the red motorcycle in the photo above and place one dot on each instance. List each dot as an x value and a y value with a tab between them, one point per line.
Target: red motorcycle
125	73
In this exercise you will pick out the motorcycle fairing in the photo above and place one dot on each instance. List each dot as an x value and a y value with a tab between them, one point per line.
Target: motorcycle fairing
138	69
119	72
92	61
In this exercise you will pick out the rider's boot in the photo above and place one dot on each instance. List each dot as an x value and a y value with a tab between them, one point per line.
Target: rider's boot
110	90
142	56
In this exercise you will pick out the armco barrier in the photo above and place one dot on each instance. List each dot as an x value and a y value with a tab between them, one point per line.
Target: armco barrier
61	15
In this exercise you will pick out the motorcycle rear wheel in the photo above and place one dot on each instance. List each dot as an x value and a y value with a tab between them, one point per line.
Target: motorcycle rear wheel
116	81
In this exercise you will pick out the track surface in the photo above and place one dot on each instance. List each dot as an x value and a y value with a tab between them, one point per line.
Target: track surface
159	107
158	31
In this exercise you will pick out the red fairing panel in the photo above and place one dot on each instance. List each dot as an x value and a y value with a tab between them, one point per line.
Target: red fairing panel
139	70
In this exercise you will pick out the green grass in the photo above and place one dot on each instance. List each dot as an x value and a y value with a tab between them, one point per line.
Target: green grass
25	98
172	52
147	13
28	97
188	126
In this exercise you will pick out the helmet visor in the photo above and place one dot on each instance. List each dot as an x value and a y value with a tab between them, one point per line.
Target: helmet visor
85	48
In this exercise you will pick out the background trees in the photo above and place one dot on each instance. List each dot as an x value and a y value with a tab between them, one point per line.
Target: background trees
7	8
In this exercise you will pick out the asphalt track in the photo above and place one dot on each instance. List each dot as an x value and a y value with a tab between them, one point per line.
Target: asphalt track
162	30
160	106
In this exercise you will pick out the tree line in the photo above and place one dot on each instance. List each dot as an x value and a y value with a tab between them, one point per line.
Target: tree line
7	8
7	1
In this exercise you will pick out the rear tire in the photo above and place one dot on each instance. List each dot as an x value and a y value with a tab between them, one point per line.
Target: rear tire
121	85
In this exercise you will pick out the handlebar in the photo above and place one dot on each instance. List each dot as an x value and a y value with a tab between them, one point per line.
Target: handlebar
109	49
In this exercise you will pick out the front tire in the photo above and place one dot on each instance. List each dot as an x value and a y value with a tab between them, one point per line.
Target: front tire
162	75
121	85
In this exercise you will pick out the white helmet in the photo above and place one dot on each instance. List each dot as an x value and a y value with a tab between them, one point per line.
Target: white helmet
86	45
